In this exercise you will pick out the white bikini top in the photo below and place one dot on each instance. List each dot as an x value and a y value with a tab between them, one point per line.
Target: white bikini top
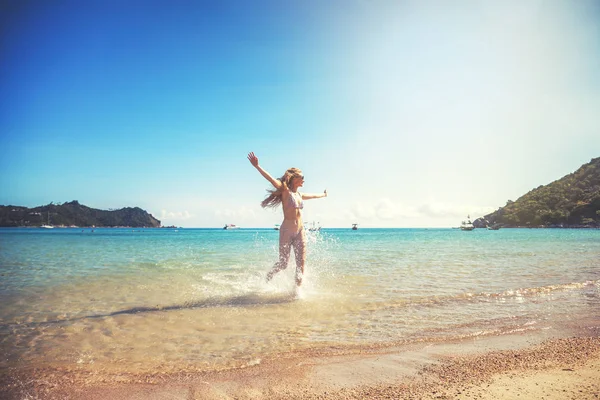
296	200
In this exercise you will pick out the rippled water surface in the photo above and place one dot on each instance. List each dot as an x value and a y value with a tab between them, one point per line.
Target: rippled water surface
196	299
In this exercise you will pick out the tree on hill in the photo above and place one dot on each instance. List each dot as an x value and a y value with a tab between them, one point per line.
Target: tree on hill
75	214
573	200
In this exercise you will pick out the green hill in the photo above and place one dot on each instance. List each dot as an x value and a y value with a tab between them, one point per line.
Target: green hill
572	201
75	214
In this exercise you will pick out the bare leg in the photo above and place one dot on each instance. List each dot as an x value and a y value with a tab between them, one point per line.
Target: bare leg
299	244
284	254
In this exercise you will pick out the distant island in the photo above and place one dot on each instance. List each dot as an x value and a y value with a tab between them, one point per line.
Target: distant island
74	214
573	201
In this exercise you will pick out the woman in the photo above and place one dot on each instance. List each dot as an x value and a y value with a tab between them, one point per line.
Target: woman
291	231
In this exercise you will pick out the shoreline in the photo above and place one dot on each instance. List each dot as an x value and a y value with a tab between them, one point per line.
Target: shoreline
525	365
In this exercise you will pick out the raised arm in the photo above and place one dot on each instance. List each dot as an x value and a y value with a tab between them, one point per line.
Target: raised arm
308	196
254	161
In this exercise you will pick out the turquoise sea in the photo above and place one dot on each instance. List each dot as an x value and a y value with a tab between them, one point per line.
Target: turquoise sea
142	300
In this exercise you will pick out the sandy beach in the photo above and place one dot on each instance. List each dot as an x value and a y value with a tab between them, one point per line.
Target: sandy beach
489	368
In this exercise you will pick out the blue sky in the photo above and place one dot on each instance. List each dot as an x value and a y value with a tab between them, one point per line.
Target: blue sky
410	113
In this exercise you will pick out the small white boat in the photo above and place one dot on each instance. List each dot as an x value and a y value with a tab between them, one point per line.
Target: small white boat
277	227
47	226
467	225
231	226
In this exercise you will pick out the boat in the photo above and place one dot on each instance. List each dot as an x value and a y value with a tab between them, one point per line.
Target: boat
276	227
231	226
48	226
467	225
354	227
494	227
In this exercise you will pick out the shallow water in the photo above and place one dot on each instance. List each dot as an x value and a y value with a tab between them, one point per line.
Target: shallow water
138	300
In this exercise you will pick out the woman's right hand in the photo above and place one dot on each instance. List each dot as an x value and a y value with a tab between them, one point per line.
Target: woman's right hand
253	159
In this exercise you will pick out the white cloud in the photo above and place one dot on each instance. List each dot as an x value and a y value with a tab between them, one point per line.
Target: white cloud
383	208
387	209
443	210
360	210
386	212
242	213
175	215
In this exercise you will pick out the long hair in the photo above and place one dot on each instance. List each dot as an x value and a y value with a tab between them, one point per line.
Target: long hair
273	199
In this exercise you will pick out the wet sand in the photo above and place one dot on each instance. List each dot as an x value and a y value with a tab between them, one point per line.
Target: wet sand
489	368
